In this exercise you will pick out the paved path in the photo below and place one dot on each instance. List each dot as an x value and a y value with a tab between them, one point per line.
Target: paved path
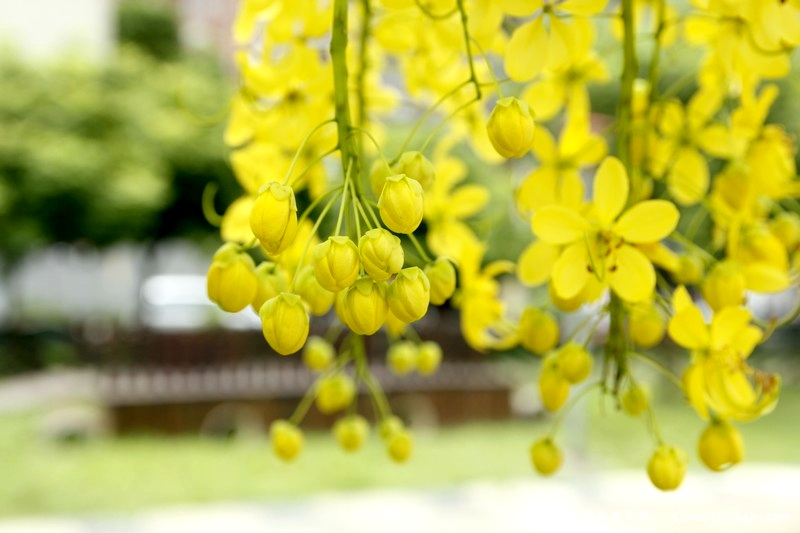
757	498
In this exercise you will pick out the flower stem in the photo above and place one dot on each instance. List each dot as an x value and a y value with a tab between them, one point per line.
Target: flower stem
347	143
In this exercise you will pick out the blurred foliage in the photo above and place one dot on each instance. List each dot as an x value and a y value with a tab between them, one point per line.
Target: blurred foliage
104	153
151	27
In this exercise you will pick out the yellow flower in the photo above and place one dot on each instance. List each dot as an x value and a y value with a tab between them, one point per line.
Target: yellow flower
429	358
511	127
274	217
409	294
402	357
335	392
336	263
318	299
318	354
559	32
546	457
721	445
442	277
604	246
351	432
285	323
558	178
719	379
381	254
287	439
401	204
538	330
417	167
667	467
231	280
362	306
271	282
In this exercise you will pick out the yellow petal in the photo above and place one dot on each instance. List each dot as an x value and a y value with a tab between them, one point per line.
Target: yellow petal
520	63
688	177
570	272
763	277
467	201
688	328
694	386
611	188
555	224
546	98
681	299
632	277
536	262
725	325
648	221
583	8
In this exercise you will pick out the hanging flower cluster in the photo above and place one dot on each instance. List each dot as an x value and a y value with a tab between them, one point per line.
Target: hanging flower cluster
662	220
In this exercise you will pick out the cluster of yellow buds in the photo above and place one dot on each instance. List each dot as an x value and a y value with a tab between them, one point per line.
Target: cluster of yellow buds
694	201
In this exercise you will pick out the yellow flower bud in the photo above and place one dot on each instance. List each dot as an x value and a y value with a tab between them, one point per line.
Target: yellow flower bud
381	253
335	393
231	280
400	446
724	286
401	204
394	326
271	281
363	306
667	467
417	167
402	357
647	325
274	217
546	457
553	387
633	400
378	173
511	127
429	358
285	323
319	299
690	270
389	426
721	445
287	439
574	362
409	294
538	330
336	263
442	277
351	432
318	354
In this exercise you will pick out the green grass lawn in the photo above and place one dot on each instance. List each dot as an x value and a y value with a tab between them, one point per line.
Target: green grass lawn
128	473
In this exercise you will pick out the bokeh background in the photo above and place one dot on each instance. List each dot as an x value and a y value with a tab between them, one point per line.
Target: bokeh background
124	391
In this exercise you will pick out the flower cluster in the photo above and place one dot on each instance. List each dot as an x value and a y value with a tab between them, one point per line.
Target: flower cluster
660	215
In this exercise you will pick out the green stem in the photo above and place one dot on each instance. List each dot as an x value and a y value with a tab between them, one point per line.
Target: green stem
209	212
363	64
425	116
341	98
616	349
311	236
420	250
658	365
301	147
467	41
562	414
655	57
629	72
